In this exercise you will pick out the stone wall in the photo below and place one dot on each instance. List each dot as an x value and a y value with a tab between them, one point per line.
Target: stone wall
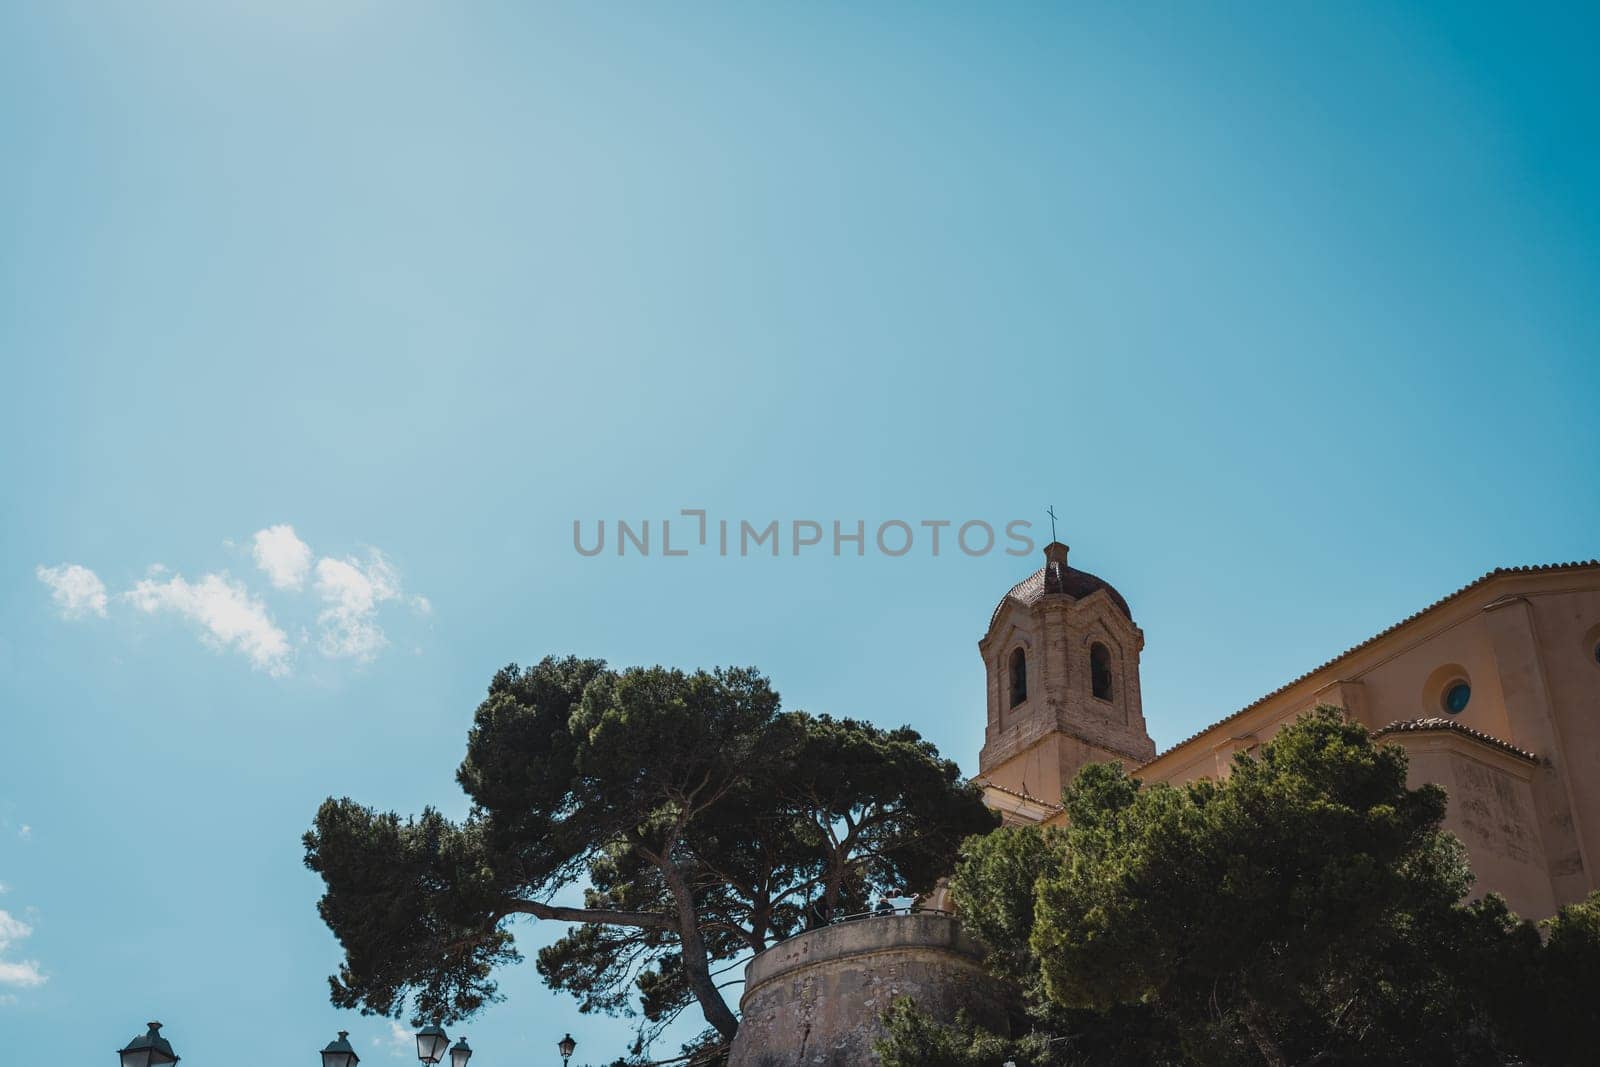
816	998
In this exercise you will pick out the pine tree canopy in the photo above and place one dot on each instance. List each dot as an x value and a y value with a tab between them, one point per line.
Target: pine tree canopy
1306	909
677	820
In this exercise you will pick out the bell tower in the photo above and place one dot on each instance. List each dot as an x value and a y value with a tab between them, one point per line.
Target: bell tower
1062	659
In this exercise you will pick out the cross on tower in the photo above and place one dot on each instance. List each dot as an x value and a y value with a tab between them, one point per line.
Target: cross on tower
1051	511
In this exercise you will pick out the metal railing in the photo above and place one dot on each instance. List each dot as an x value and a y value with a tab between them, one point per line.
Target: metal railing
901	909
857	916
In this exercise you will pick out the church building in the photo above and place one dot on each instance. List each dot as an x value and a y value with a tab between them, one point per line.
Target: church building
1493	691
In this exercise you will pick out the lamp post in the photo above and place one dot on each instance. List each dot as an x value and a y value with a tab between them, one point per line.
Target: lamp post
339	1053
567	1047
148	1050
431	1043
460	1054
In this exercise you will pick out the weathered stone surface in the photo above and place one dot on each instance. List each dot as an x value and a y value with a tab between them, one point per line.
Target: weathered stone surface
816	999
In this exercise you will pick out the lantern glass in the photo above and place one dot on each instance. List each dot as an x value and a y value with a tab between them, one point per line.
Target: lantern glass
139	1057
460	1053
432	1042
567	1046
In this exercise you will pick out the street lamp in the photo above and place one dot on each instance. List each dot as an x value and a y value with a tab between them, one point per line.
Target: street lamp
339	1053
148	1050
431	1043
460	1054
567	1047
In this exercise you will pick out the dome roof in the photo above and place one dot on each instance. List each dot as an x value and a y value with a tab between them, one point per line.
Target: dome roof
1056	577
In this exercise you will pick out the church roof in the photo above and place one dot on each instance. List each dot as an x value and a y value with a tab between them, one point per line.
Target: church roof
985	783
1057	577
1498	572
1440	723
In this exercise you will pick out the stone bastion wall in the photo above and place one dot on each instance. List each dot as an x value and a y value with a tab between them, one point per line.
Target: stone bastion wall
815	999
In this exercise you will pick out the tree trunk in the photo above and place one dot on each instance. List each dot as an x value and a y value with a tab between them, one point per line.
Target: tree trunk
1256	1024
696	965
837	865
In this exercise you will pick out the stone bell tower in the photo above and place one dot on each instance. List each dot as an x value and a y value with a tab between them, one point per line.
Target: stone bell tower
1062	658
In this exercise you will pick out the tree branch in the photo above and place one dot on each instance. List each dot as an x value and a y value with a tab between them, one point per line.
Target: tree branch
1255	1022
647	920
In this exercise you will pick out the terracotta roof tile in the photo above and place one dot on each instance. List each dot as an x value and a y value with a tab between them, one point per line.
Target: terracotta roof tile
986	784
1498	572
1452	726
1059	578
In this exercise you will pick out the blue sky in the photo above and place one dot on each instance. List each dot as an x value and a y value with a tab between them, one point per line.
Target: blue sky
1291	311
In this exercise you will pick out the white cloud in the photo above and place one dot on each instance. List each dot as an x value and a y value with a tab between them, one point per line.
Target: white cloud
351	592
24	973
399	1041
283	556
77	591
12	929
229	614
348	595
26	832
21	973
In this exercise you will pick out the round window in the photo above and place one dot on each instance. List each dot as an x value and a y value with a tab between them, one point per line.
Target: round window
1456	697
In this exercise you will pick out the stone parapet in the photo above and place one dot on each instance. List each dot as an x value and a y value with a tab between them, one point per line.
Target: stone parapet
816	999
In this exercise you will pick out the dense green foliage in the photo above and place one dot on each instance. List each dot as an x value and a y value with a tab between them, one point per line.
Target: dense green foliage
914	1040
1307	909
699	820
